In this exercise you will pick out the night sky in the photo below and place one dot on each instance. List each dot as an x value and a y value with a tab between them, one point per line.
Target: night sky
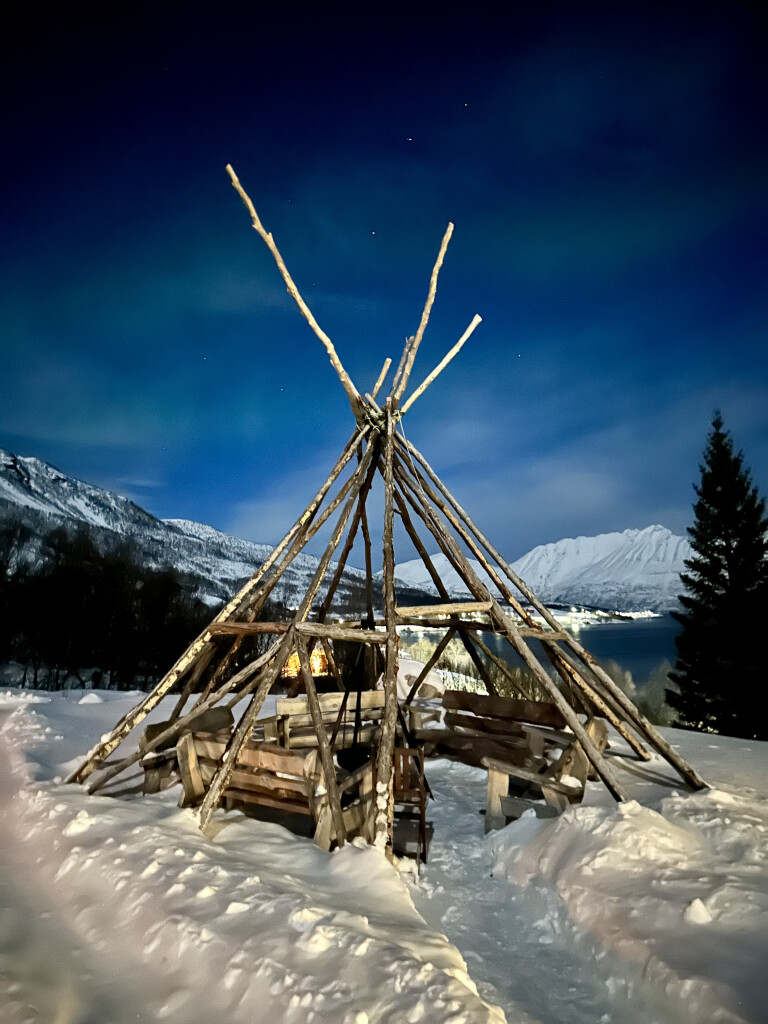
605	165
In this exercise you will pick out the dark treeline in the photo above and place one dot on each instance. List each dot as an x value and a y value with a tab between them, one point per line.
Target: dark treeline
80	610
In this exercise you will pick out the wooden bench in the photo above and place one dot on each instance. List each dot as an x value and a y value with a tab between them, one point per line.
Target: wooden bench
160	766
477	726
291	725
560	783
268	775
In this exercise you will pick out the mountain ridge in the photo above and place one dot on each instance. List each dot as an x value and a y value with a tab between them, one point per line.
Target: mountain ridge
631	570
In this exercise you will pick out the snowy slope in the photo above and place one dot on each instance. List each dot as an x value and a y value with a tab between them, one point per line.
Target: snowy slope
629	571
119	910
45	498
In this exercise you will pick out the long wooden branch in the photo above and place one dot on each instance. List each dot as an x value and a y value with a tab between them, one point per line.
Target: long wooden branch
175	727
326	754
413	348
243	731
137	714
429	665
381	377
247	722
441	365
351	391
549	639
502	666
384	807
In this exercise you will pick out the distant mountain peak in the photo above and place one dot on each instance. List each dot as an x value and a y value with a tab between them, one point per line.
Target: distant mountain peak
631	570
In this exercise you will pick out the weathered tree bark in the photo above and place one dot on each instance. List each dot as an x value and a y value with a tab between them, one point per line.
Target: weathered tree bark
350	390
413	348
326	754
441	365
384	806
129	721
638	721
243	731
481	593
555	655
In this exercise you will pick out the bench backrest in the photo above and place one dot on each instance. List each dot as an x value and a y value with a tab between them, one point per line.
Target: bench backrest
535	712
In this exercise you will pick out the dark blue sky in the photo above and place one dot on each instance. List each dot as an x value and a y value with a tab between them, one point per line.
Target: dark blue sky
606	167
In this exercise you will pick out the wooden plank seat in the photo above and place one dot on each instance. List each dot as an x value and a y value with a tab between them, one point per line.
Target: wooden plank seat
161	765
271	776
474	726
291	726
560	783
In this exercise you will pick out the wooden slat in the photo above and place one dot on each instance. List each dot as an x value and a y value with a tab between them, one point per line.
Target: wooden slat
528	776
345	737
454	719
330	702
497	789
265	800
303	721
515	806
454	608
538	712
474	748
264	755
189	770
329	630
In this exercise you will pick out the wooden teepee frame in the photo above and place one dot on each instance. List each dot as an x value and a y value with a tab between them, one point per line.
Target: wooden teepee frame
413	489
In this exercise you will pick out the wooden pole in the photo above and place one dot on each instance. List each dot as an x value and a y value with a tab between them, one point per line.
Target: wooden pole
441	365
433	660
412	349
381	377
194	677
351	391
326	754
242	732
174	728
402	500
553	652
384	808
502	667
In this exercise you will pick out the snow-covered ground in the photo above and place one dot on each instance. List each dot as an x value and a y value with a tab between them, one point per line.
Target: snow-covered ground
119	910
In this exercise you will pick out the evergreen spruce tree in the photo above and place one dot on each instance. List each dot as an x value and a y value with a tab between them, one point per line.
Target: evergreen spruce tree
720	672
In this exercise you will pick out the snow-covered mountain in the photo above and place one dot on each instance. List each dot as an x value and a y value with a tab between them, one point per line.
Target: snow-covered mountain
629	571
43	498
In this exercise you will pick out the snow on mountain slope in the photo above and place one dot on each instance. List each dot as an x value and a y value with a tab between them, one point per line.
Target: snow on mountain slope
36	485
44	498
629	571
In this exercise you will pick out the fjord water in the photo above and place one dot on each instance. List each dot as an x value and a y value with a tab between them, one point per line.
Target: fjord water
637	645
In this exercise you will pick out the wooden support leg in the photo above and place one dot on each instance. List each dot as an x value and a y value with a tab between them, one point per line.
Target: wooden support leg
498	788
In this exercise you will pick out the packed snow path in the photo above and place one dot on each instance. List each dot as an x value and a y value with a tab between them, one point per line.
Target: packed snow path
521	947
